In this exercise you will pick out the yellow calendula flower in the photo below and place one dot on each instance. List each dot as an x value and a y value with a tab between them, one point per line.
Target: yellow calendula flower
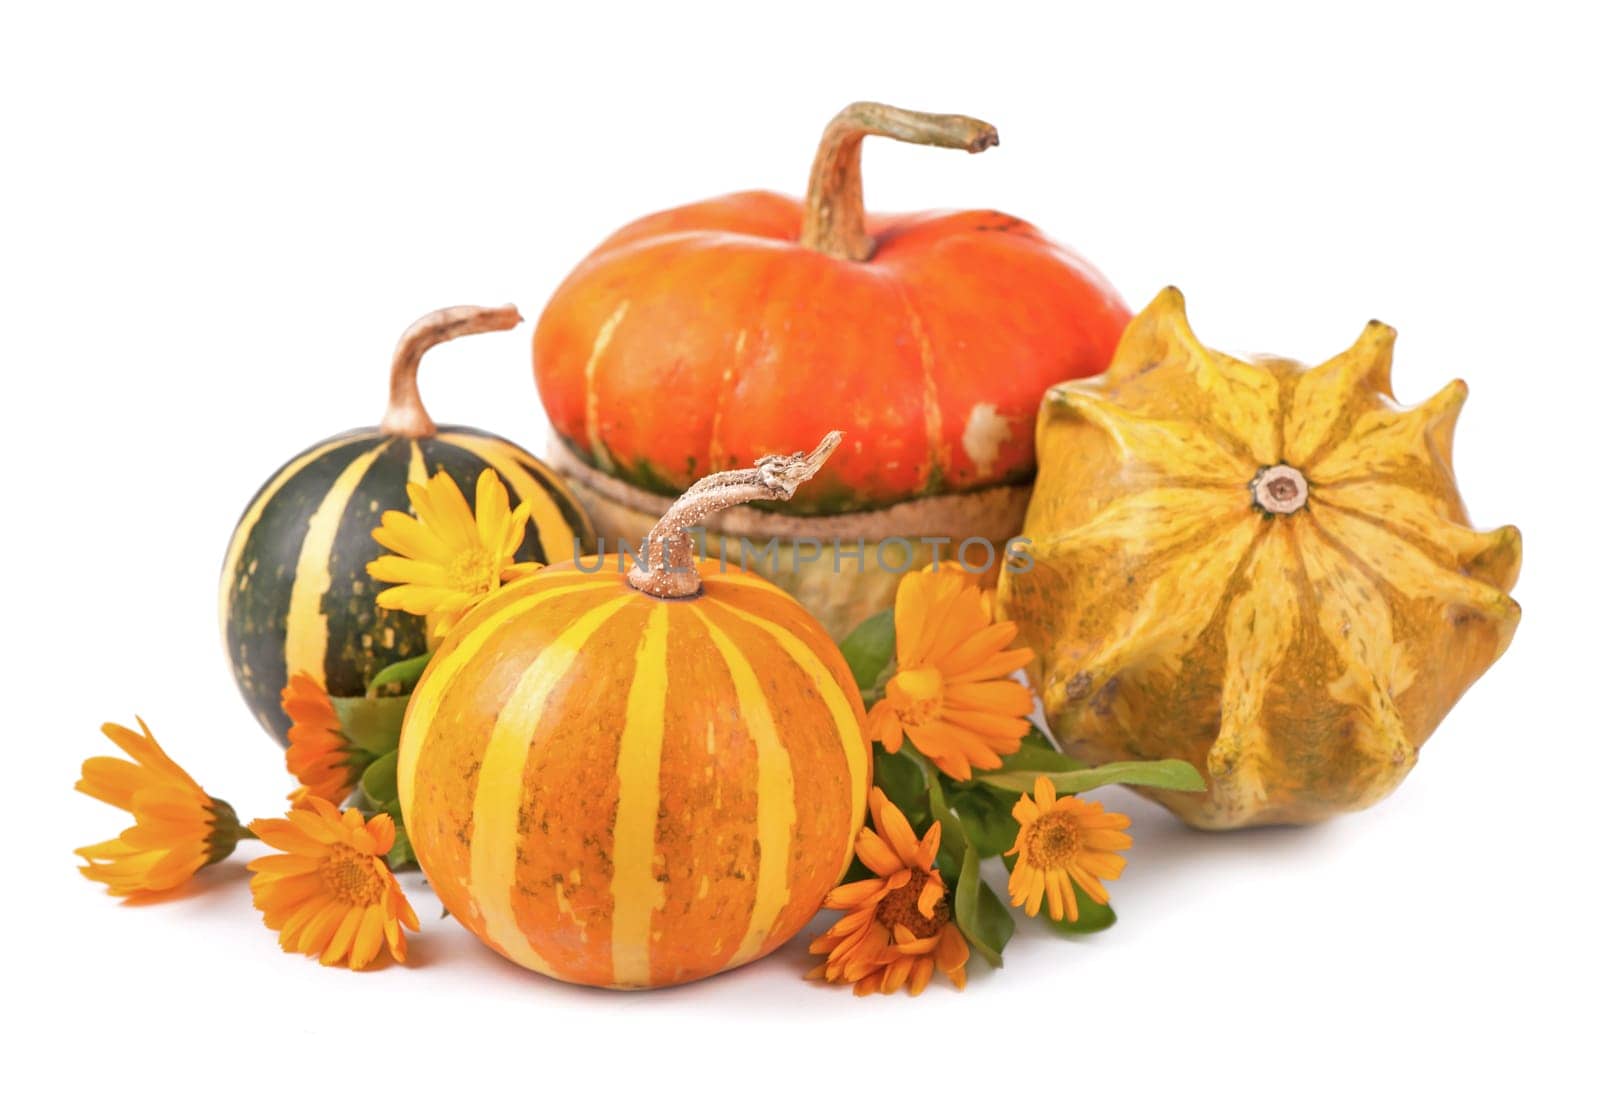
320	756
951	693
898	928
177	829
1062	841
329	893
449	556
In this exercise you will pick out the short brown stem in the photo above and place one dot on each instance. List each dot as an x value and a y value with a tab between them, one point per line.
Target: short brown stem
835	214
666	565
1280	490
406	415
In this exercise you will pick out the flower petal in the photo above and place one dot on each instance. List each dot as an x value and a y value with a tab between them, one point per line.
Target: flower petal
877	855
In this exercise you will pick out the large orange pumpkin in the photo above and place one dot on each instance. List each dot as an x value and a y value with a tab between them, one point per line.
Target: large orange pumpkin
758	321
640	780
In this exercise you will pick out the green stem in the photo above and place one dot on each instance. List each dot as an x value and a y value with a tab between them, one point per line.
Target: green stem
953	838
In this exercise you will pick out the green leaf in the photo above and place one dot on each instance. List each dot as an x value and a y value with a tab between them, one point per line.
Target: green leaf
905	783
1036	755
401	854
952	838
981	916
372	725
1037	736
378	784
1092	916
994	918
869	649
402	674
985	815
1171	775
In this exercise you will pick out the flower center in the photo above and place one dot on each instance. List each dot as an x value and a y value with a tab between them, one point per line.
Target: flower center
351	877
473	571
1053	841
900	907
1280	490
917	695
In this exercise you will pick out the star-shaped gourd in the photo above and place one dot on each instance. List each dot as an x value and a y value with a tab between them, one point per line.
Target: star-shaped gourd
1260	567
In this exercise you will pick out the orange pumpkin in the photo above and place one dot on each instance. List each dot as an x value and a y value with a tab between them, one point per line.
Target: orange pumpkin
938	332
638	781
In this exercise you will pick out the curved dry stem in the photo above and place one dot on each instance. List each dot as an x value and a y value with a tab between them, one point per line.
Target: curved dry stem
666	566
405	415
835	214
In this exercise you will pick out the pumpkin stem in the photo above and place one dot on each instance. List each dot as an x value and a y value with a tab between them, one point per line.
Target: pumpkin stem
405	415
1280	490
666	564
835	215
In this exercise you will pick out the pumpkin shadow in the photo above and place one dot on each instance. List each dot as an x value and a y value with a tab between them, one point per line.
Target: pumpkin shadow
1167	855
446	943
745	990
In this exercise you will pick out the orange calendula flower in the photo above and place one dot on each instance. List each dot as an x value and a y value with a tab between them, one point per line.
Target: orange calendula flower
177	829
320	756
898	927
1062	841
951	693
446	558
329	893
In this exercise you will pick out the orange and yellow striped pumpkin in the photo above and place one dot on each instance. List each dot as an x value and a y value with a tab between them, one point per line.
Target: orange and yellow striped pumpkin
623	790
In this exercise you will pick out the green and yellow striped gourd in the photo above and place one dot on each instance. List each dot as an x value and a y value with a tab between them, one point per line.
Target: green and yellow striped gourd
295	595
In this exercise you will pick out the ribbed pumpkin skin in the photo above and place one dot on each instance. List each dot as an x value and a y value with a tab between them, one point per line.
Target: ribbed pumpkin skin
623	791
295	595
1298	660
931	356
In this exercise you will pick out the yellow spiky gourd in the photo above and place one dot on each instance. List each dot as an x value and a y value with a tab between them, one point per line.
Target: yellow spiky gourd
1263	568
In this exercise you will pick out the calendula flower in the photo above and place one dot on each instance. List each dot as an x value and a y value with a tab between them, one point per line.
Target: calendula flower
329	893
446	558
898	927
177	829
951	693
326	762
1062	841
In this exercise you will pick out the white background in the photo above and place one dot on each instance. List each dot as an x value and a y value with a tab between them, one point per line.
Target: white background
215	225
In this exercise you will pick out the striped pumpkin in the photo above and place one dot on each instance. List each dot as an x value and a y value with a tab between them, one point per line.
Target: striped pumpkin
295	596
620	790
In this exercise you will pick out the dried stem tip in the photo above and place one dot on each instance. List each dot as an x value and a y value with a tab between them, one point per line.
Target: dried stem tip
666	567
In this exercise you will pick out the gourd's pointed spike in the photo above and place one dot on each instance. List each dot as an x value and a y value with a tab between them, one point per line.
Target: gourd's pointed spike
1175	315
1159	446
1236	767
1490	557
1441	413
1500	559
1371	357
1171	299
1378	741
1379	439
1259	627
1331	395
1158	333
